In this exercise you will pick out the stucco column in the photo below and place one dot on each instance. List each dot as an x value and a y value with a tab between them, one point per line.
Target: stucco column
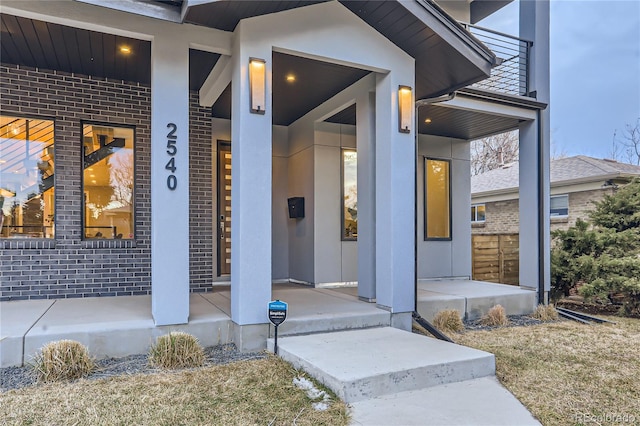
251	194
395	180
535	247
169	180
365	143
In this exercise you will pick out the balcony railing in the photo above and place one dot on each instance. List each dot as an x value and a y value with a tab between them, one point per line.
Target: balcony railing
511	75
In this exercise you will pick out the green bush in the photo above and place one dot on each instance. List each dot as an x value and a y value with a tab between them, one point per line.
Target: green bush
62	360
176	350
603	257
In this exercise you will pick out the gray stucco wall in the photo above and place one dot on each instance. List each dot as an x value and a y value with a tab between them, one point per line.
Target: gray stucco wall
439	259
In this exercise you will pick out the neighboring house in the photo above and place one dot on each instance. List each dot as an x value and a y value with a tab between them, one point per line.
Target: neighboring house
120	119
576	183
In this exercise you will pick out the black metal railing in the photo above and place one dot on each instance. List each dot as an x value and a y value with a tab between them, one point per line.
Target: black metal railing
511	75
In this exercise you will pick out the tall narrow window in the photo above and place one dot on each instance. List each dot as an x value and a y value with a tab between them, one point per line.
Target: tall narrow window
26	178
438	199
108	181
349	194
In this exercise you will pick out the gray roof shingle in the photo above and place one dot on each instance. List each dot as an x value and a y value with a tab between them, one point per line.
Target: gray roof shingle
566	169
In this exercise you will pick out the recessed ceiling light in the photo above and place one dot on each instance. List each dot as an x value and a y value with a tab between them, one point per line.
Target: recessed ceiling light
427	120
291	78
125	49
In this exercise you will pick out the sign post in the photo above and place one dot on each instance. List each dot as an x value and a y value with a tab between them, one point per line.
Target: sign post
277	315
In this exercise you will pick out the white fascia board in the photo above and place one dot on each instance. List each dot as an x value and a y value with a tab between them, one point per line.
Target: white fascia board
110	21
218	79
469	104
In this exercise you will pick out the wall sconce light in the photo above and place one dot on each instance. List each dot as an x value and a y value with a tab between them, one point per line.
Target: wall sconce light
404	109
257	85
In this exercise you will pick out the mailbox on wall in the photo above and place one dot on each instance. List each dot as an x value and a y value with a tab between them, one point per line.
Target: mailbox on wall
296	207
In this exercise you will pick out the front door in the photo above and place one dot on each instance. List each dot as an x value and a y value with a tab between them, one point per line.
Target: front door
224	208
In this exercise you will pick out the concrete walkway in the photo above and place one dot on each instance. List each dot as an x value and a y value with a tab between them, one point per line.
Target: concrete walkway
393	377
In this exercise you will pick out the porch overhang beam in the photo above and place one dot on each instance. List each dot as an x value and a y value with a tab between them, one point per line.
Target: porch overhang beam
152	10
218	80
473	104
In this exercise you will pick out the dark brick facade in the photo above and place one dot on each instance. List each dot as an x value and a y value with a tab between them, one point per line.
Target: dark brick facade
68	266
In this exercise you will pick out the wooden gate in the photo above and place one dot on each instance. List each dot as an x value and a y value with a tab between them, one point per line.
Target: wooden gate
495	258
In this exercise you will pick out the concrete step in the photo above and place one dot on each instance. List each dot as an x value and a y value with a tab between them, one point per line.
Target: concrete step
364	364
475	402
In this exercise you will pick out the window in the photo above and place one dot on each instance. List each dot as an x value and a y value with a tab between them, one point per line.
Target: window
559	206
26	178
108	181
438	199
349	194
478	213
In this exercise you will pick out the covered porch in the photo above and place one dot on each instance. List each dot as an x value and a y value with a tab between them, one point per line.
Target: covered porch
121	326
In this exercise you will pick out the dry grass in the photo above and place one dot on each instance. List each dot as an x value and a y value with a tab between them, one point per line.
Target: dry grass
176	350
62	360
448	321
495	317
564	371
242	393
545	313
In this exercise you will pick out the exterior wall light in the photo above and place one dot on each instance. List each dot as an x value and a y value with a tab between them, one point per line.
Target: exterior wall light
404	109
257	85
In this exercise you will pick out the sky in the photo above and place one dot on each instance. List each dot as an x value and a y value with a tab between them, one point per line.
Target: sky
595	71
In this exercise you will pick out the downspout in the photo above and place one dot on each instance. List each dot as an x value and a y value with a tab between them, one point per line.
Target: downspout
416	316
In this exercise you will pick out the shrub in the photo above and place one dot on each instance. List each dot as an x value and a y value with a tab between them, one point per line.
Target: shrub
545	313
62	360
448	321
176	350
495	317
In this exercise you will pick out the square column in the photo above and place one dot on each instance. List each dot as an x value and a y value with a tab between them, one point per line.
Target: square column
169	181
251	191
395	199
535	136
366	146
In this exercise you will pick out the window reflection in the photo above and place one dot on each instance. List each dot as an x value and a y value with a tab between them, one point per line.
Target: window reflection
108	181
349	194
26	178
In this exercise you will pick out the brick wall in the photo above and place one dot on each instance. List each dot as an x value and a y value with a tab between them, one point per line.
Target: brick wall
67	266
502	217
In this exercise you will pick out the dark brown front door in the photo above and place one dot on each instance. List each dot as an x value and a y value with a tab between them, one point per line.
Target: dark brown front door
224	208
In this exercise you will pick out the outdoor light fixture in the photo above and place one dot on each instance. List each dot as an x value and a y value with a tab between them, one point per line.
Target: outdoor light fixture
404	109
125	49
257	85
427	120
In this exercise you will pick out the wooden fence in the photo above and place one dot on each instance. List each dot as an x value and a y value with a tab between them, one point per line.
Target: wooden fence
495	258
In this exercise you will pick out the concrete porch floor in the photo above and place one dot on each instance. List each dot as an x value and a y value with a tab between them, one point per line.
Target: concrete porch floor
120	326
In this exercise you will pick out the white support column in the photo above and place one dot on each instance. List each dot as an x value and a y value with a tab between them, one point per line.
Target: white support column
169	180
535	246
366	145
395	180
251	194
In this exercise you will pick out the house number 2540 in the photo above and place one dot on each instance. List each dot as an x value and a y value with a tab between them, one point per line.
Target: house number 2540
172	150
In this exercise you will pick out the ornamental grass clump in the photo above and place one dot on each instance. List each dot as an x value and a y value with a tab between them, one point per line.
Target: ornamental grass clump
62	360
545	313
448	321
176	350
496	317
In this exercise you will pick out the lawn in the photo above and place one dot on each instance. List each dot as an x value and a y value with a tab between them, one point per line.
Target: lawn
241	393
568	373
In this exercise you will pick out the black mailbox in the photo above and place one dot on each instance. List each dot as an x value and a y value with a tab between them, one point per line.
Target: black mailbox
296	207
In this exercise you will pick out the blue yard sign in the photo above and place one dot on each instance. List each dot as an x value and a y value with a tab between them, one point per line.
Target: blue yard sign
277	312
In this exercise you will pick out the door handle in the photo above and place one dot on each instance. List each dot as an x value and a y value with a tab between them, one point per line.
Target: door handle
222	230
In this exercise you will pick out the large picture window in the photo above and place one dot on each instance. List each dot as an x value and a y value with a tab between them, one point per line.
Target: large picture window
438	199
349	194
108	181
26	178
